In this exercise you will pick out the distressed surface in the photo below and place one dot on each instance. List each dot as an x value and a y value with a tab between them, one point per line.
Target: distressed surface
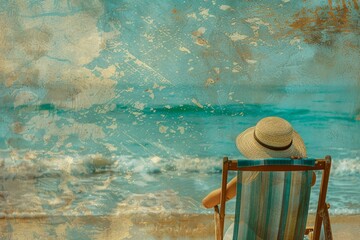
115	106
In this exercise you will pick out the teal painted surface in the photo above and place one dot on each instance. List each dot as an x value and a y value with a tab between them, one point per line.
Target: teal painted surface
277	211
109	107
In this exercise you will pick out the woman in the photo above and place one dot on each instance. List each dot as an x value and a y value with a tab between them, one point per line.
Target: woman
272	137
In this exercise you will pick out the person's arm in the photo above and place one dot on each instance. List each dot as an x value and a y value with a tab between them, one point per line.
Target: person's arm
313	180
213	198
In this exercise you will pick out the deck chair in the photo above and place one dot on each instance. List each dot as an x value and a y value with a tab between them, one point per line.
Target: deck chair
274	204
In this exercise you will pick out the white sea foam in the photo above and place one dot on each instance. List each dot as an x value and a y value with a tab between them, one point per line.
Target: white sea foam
94	180
338	211
91	163
345	166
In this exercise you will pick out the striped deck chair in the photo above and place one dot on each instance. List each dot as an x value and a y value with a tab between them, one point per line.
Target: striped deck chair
272	199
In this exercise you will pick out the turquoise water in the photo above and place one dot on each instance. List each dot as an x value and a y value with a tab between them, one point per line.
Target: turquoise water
150	169
112	107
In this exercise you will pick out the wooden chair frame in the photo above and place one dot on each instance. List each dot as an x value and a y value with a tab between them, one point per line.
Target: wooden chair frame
322	213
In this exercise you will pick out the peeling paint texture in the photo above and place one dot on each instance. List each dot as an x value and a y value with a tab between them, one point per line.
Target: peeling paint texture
125	107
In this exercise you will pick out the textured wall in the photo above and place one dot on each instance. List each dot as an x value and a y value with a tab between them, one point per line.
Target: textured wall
76	55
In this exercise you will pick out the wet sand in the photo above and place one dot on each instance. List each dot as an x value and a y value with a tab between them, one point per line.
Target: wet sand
140	226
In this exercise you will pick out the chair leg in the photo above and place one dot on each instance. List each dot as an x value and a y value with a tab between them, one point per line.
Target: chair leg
309	232
326	223
217	223
310	235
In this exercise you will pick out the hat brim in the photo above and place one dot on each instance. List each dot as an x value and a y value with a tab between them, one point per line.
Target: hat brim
251	149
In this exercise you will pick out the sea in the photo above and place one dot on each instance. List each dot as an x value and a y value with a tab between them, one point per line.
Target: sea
157	158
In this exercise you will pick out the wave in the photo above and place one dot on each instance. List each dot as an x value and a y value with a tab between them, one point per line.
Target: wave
59	165
100	185
345	167
339	211
96	163
229	110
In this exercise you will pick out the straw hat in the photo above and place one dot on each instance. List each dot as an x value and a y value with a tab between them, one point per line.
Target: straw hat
271	137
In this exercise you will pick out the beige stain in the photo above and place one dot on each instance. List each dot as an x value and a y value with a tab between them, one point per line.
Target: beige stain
198	37
49	52
333	18
143	226
17	127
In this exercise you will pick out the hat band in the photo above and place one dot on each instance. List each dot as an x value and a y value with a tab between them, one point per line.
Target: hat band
272	147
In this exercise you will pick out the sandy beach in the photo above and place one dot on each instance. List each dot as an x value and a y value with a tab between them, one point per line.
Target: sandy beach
140	226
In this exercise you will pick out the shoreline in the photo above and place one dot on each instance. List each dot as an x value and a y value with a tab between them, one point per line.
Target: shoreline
141	225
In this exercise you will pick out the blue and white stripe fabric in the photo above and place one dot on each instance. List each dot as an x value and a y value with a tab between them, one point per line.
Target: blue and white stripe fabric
271	205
